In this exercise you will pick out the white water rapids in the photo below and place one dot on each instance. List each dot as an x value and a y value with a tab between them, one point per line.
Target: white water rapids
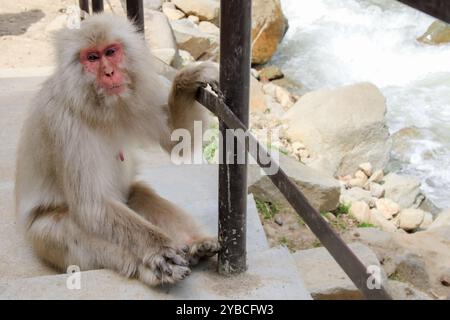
337	42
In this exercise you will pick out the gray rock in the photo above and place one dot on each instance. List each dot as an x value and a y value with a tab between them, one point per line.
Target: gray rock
321	190
342	128
404	291
442	219
190	38
405	190
356	194
158	31
325	279
411	219
412	268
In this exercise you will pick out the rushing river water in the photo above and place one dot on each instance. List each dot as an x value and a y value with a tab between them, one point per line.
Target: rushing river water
338	42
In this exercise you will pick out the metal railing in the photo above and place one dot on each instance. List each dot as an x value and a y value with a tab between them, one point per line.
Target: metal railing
230	105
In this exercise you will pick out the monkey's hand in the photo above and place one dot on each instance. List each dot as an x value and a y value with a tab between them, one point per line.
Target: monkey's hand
166	265
204	248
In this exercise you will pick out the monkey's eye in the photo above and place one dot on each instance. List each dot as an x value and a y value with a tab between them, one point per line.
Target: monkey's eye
110	52
92	57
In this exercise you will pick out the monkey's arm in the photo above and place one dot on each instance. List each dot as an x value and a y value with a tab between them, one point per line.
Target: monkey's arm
183	108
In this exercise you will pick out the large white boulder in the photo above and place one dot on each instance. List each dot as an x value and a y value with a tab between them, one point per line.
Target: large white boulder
342	128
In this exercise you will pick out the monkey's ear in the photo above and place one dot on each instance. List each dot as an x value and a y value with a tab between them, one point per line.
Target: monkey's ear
67	45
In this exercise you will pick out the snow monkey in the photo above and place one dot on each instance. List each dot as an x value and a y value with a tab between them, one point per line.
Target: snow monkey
76	193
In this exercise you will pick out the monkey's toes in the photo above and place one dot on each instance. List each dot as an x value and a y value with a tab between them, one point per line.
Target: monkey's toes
204	248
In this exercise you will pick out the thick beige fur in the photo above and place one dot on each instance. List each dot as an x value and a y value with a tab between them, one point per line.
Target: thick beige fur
80	205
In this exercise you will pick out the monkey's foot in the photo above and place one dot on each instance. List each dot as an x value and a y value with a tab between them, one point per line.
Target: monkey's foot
203	248
167	265
207	73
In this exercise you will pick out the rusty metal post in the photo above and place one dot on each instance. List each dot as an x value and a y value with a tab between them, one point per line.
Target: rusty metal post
135	12
84	5
97	6
235	51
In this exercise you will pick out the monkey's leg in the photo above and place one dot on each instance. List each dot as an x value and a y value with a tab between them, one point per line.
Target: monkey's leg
58	240
173	220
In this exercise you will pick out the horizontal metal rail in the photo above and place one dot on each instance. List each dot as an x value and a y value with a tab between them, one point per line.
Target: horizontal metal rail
343	255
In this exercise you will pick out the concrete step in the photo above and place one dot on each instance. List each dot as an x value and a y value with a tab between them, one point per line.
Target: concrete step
271	275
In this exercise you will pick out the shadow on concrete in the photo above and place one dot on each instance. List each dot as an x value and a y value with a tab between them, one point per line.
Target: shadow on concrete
15	24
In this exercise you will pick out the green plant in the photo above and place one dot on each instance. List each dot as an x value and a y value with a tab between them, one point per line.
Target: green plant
343	208
317	243
366	225
266	209
284	241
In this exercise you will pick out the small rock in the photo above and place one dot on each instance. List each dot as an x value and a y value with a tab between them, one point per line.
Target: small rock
357	182
437	33
366	167
166	55
356	194
376	190
361	175
445	281
405	190
377	176
278	221
411	219
361	211
270	73
387	207
298	146
378	219
208	27
346	178
442	219
194	19
173	14
412	268
427	221
403	291
190	38
168	5
258	102
304	154
255	73
185	58
283	97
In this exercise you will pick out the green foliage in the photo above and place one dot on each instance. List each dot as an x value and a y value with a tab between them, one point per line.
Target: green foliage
284	241
343	208
266	209
366	225
317	243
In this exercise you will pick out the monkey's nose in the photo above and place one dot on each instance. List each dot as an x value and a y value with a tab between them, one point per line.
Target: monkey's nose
109	73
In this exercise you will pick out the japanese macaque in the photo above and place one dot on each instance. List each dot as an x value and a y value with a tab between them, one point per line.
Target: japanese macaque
76	193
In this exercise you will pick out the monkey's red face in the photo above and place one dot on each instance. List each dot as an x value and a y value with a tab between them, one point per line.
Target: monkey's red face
104	62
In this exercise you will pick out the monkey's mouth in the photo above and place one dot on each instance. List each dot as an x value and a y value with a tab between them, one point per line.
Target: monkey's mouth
115	89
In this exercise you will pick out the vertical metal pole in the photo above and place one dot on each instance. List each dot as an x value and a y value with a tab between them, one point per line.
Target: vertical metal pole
84	5
135	12
235	51
97	6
